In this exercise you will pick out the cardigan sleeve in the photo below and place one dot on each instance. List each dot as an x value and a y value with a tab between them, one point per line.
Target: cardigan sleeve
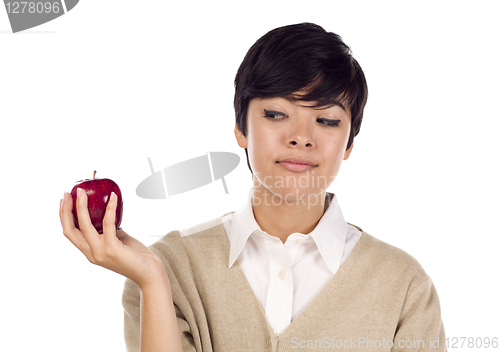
420	327
132	316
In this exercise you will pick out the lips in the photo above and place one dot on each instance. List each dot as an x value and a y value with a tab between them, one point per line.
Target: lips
296	164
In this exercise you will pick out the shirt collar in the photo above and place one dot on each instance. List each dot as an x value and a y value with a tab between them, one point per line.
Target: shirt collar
243	224
329	235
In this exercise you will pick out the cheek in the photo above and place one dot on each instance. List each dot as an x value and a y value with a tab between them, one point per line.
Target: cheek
258	150
261	141
334	151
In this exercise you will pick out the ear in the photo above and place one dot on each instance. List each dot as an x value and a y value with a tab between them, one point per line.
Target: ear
240	138
348	152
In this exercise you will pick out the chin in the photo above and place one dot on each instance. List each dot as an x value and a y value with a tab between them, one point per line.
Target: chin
289	195
302	195
290	187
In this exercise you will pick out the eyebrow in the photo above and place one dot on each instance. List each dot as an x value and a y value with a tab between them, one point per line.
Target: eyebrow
334	103
324	107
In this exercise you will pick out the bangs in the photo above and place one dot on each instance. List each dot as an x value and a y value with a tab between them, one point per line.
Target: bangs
325	92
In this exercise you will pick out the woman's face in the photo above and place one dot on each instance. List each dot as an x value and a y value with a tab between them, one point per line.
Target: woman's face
295	151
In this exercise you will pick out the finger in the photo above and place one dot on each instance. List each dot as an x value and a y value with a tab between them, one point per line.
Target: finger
120	233
131	242
108	223
61	216
66	214
69	229
86	228
60	210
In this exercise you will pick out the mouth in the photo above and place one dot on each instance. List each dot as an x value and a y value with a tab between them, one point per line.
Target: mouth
297	164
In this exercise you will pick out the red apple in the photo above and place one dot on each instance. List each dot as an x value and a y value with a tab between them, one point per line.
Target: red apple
98	192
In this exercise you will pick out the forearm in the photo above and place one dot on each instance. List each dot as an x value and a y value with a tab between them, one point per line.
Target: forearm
159	330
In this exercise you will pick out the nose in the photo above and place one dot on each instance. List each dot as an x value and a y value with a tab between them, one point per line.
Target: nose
300	135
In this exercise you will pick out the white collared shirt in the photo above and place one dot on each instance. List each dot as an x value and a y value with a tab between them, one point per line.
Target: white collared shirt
286	277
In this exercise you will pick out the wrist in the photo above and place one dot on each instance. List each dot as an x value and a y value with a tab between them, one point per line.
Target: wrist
157	281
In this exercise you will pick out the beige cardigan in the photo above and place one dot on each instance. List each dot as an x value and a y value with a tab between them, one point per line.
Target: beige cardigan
379	300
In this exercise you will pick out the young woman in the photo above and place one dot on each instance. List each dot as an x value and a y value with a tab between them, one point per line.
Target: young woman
285	271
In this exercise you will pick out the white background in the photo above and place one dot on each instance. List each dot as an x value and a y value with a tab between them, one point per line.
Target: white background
114	82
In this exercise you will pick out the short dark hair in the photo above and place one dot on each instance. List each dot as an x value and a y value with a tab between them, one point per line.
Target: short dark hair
301	57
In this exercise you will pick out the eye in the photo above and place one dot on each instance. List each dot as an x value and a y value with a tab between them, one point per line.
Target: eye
274	115
328	122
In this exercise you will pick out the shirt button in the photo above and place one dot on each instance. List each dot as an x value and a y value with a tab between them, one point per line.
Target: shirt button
282	274
300	240
277	331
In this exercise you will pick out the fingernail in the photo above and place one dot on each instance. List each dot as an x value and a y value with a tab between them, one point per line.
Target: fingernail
113	196
78	192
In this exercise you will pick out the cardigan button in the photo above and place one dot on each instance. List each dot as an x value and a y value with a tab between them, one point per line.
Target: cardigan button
277	331
282	274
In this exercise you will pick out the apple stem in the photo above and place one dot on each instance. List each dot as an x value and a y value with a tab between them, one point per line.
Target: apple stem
94	173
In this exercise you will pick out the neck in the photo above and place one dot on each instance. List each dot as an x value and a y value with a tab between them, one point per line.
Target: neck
280	217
